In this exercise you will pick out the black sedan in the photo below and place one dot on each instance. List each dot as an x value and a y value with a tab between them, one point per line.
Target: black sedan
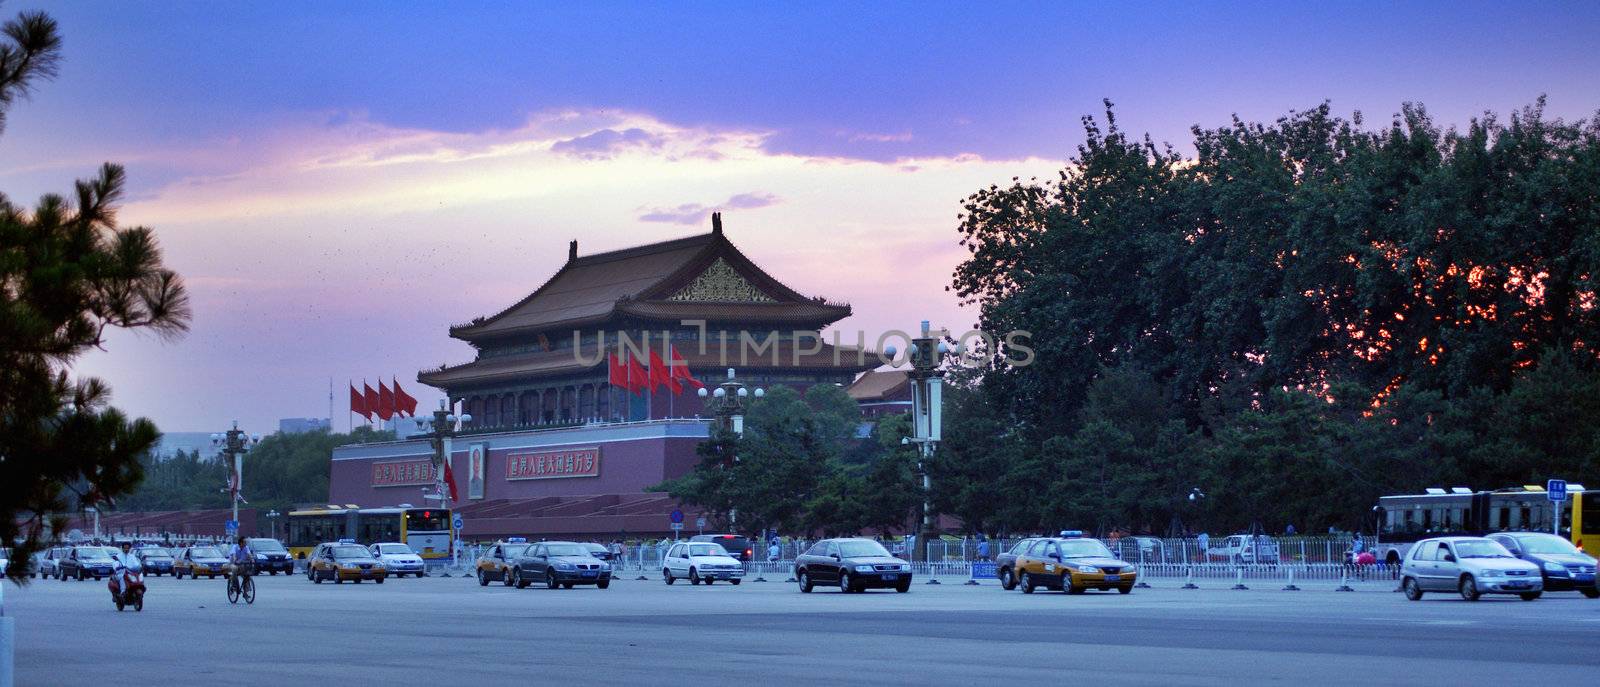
87	562
1566	568
560	564
854	565
154	560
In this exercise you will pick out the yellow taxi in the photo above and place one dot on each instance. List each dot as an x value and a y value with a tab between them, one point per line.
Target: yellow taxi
1074	565
201	559
344	560
498	559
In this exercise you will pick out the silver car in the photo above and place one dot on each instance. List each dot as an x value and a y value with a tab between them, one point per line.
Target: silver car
1469	566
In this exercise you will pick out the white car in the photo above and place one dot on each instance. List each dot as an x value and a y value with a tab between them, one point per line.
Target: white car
700	562
399	559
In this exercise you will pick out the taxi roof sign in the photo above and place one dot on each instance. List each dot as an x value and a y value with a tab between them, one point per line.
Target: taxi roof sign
347	541
1069	534
516	540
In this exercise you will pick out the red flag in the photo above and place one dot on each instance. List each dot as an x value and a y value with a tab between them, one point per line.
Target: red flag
680	371
450	480
638	379
385	401
617	374
403	402
661	375
372	400
358	403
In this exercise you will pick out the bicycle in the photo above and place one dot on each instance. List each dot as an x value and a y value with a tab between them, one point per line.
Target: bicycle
242	584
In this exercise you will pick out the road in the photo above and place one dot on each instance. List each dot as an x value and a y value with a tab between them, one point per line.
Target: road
450	631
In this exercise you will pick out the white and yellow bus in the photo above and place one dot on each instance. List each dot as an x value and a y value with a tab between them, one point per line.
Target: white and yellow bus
426	530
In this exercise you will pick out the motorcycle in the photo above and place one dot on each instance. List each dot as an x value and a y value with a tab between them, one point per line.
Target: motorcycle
134	596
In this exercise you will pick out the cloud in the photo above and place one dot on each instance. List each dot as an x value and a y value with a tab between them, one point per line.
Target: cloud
868	137
695	213
602	144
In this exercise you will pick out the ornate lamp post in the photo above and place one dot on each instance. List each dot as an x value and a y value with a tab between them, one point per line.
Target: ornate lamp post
726	403
234	443
439	430
926	355
272	516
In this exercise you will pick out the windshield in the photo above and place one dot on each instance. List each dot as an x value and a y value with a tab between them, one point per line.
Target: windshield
1549	543
1084	548
1480	548
93	553
567	550
350	551
265	545
155	553
394	549
707	550
514	550
205	552
860	549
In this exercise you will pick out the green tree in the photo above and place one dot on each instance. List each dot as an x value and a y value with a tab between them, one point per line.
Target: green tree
67	273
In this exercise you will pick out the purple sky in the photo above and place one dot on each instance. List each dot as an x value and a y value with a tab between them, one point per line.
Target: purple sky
338	187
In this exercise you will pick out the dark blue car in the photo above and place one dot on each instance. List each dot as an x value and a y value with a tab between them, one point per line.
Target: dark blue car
1566	568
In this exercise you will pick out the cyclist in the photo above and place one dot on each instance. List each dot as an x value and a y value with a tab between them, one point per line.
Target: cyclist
243	559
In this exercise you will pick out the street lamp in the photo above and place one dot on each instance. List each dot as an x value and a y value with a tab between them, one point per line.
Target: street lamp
727	404
439	429
926	354
234	443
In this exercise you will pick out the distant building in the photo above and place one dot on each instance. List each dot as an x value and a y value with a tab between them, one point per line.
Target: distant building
174	443
881	392
301	425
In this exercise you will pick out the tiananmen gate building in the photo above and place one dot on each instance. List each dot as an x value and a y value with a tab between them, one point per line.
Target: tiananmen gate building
557	447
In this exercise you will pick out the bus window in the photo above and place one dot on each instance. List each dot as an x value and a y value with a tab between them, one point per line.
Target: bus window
1427	520
1503	518
1590	513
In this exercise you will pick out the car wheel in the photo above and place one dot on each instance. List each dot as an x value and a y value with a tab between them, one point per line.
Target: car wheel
550	580
666	576
380	580
694	576
1070	588
1125	590
314	577
1592	593
602	584
805	582
1529	596
1412	590
734	582
844	583
903	587
483	580
1008	579
506	577
1468	588
1027	583
567	585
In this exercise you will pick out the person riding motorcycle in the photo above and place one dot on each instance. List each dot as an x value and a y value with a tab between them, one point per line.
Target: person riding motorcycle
122	562
242	559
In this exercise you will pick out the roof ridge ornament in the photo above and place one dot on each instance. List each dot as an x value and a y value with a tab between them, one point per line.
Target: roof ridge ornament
716	223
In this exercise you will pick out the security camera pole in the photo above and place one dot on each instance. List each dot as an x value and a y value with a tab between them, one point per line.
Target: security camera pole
234	443
927	394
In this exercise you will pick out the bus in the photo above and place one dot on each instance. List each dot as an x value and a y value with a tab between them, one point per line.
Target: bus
1404	520
426	530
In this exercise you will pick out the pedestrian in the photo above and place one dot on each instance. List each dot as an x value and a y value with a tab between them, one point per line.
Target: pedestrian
983	548
1289	530
774	551
616	549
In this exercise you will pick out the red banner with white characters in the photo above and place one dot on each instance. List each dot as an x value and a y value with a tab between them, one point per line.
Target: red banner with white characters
569	462
403	473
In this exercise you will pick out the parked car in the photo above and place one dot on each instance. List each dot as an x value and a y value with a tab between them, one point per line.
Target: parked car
698	562
737	545
1005	564
399	559
87	562
562	564
853	564
1470	566
154	560
271	557
1246	549
1564	567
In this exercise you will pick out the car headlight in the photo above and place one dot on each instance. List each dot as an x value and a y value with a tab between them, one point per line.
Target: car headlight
1552	566
905	567
1493	573
863	568
605	566
1087	569
564	566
